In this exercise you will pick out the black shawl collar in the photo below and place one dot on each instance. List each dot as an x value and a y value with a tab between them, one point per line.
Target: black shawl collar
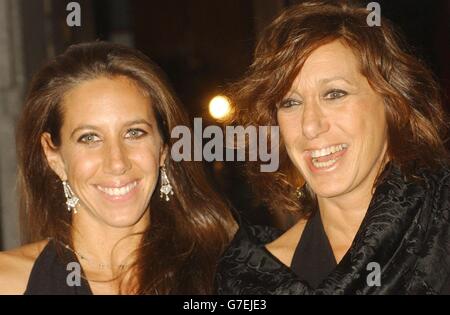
406	231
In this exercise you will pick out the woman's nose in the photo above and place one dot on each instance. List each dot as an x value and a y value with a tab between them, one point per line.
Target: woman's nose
116	161
313	121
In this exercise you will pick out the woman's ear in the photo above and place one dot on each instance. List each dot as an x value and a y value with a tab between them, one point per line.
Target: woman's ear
53	156
163	154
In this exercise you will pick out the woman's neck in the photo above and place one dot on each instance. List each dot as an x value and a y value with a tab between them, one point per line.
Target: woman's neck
342	215
106	250
343	218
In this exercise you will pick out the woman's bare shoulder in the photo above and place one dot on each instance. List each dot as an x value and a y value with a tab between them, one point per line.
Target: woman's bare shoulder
283	247
16	265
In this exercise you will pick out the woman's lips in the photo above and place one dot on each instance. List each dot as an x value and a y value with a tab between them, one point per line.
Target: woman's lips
325	163
122	193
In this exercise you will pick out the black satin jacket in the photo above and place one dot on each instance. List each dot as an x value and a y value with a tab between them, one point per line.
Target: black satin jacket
406	231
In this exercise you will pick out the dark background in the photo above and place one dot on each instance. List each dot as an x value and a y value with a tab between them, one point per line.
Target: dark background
204	44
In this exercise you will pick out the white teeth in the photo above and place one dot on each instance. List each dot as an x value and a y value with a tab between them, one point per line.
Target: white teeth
324	152
328	151
324	164
118	191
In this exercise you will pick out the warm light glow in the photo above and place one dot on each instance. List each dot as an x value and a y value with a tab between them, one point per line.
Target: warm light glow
219	107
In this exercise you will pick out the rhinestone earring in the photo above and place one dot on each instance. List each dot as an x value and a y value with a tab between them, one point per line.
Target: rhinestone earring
166	188
72	200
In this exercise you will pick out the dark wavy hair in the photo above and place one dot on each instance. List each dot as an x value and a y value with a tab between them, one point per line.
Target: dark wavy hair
186	236
417	125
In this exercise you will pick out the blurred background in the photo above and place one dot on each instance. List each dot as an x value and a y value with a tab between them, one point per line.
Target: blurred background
201	44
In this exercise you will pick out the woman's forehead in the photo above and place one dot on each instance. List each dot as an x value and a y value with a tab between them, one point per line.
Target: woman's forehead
105	100
330	62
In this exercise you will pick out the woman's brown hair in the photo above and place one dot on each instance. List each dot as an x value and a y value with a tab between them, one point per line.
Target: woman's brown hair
186	236
417	126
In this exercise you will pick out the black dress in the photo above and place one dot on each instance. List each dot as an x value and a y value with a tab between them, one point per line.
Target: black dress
405	232
313	258
52	274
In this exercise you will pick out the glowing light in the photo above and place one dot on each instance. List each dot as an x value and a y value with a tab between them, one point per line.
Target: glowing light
219	107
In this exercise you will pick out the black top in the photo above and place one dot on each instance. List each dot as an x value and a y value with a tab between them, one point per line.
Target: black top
57	271
313	258
404	238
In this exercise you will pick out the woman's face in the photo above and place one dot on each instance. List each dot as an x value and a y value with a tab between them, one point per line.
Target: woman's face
110	150
333	123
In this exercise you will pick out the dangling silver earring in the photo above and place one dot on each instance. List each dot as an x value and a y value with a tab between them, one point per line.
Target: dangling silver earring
166	188
72	200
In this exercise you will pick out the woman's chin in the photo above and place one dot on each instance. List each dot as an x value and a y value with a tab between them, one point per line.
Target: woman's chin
121	220
324	191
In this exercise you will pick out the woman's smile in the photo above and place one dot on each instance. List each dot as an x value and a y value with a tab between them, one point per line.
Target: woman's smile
326	159
333	123
111	150
119	193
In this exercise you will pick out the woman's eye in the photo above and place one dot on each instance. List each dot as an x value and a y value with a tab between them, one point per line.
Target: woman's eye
89	138
335	94
135	133
288	103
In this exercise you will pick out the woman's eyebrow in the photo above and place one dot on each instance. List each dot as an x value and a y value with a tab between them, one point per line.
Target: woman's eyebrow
335	78
137	122
92	127
322	81
292	93
82	127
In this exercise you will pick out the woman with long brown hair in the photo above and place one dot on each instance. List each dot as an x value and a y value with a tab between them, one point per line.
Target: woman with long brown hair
362	161
107	208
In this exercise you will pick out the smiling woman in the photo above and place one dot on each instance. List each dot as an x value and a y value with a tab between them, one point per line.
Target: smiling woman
336	110
109	152
362	162
92	148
